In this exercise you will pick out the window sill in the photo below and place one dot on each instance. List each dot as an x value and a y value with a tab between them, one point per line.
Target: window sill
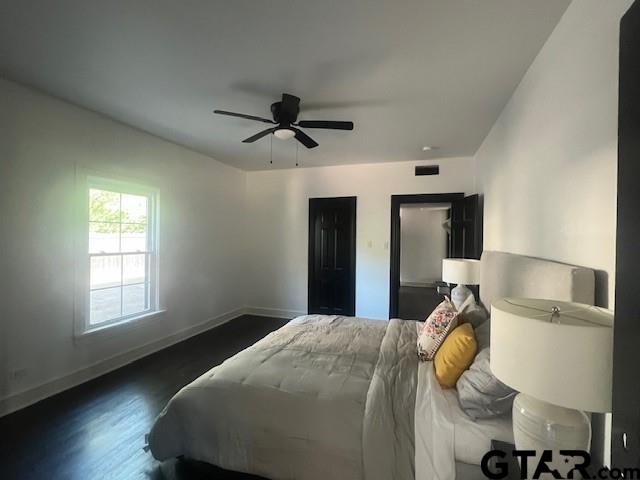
119	327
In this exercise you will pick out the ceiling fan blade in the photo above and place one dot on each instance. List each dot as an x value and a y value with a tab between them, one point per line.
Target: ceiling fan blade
259	135
304	139
326	124
242	115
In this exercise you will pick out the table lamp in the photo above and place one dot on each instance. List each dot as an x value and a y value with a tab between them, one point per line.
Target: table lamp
559	356
461	271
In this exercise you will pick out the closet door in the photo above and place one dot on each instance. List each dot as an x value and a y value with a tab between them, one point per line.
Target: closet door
625	441
332	256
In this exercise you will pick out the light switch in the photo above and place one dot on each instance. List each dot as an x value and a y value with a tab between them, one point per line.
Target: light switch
370	244
386	245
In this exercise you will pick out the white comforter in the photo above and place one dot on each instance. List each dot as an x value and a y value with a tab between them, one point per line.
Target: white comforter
322	397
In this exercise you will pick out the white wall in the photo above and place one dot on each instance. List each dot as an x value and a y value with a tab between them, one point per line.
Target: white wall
548	167
221	231
42	140
278	205
423	243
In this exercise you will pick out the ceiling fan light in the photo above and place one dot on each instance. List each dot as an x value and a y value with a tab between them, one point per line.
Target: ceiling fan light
284	133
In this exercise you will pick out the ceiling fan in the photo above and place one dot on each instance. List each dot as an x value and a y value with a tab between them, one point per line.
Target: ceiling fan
285	116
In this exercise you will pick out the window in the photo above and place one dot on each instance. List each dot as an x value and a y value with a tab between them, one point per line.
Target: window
120	258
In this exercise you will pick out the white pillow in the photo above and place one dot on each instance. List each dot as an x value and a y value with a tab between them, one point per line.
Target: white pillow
480	393
483	335
471	312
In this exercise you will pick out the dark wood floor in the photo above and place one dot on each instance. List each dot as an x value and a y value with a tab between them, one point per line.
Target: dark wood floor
96	430
417	303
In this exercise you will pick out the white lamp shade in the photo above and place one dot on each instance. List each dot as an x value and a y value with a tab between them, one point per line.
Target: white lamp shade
461	271
564	359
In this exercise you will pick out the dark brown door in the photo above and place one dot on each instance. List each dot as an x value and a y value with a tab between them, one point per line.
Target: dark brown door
626	387
456	237
466	228
332	256
472	227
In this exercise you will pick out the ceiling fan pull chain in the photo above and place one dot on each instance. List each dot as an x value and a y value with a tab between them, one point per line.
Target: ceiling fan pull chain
297	154
271	152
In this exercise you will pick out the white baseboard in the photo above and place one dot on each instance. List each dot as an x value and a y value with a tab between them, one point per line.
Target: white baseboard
273	312
33	395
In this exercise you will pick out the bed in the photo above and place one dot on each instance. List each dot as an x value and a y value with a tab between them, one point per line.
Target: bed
345	397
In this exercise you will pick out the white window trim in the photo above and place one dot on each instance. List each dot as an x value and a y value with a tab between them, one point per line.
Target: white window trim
85	180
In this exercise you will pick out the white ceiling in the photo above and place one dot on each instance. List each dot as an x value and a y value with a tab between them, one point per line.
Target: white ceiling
407	72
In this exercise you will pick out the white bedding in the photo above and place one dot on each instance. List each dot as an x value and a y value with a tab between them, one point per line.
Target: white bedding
434	432
324	397
444	434
472	438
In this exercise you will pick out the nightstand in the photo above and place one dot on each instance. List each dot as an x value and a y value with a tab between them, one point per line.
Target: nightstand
509	459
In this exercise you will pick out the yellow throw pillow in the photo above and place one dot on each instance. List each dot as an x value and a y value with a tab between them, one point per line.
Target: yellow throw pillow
455	355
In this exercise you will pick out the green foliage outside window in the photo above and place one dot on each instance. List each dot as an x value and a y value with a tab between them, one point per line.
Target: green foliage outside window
108	209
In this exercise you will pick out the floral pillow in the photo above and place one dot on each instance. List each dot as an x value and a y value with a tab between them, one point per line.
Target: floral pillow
441	321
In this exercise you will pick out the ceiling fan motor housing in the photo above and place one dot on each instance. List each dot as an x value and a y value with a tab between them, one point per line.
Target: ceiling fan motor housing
286	111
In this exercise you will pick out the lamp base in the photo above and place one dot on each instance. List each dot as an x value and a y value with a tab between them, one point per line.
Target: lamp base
459	294
539	426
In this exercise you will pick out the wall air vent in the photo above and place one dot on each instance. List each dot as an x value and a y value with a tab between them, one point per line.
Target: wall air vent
427	170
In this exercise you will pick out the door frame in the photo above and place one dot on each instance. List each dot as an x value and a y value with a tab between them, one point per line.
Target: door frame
625	437
394	247
353	200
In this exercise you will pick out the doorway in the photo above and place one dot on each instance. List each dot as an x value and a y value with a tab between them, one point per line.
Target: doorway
332	256
424	243
425	229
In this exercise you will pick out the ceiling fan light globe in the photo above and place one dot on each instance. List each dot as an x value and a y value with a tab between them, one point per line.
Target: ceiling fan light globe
284	133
